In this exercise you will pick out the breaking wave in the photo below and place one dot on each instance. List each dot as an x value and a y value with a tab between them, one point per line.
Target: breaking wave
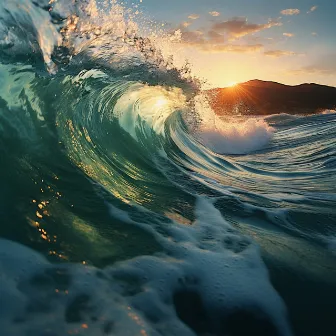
141	211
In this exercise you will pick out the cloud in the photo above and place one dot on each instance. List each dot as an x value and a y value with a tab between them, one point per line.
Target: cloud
325	66
239	26
215	37
231	48
279	53
213	42
314	34
193	16
288	34
185	24
290	11
193	37
313	9
313	70
220	36
214	13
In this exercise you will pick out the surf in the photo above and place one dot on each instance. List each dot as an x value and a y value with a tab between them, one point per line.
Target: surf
121	185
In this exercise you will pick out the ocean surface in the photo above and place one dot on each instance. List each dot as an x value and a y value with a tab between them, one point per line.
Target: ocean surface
127	207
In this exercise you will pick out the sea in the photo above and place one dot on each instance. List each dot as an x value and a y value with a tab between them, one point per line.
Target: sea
128	207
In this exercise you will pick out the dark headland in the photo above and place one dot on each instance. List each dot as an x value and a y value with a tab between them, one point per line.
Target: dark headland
258	97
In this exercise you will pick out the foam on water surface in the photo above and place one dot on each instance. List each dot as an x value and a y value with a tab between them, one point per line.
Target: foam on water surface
209	279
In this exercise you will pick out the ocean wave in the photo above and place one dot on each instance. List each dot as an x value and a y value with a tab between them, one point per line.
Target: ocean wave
112	158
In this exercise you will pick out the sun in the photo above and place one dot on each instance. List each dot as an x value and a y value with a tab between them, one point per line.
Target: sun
232	84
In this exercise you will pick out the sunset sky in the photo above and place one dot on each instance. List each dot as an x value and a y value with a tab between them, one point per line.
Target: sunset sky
234	41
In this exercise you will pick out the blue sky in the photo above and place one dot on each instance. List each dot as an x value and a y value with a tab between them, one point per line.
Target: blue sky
231	41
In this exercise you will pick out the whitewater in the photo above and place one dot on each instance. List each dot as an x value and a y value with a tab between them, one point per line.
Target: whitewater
128	207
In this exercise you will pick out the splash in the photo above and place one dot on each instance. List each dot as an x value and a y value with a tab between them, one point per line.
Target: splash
234	137
225	135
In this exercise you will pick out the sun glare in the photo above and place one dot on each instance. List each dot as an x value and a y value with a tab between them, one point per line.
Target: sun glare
160	102
232	84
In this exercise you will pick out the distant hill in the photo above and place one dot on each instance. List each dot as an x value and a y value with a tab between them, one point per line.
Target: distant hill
261	98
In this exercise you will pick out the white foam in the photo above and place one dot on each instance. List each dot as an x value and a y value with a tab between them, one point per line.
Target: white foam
209	260
229	135
236	137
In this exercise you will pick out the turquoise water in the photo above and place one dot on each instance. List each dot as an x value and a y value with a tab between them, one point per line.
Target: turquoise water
128	208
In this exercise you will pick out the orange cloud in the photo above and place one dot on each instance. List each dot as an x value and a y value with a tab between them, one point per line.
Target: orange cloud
215	37
185	24
193	16
279	53
213	42
314	70
311	70
288	34
230	48
326	65
239	27
313	9
193	37
214	13
290	11
220	36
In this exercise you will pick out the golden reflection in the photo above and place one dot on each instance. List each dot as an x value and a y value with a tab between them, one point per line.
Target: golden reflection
178	218
33	223
137	320
39	213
